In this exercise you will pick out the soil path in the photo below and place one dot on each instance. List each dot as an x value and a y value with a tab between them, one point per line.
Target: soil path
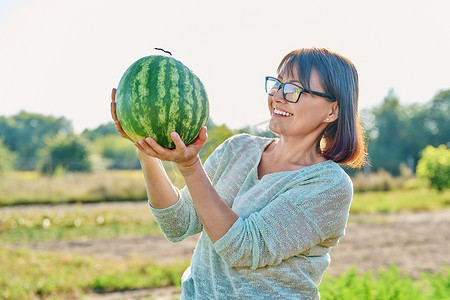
416	242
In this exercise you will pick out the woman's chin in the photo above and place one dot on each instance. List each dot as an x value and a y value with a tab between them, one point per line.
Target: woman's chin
277	127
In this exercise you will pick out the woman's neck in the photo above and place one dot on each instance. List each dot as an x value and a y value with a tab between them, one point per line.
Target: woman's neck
291	151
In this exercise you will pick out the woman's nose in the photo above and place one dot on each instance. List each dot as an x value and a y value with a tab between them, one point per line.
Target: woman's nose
278	96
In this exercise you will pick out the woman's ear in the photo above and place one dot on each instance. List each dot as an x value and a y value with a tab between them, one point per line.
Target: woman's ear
333	114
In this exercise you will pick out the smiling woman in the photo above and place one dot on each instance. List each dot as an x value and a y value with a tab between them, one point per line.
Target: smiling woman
342	138
270	210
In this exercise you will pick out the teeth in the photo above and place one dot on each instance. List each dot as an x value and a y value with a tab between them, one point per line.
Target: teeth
279	112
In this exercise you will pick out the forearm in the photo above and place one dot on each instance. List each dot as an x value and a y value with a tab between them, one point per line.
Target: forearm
160	190
214	213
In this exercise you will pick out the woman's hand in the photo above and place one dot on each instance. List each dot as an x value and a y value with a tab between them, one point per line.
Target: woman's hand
114	116
184	156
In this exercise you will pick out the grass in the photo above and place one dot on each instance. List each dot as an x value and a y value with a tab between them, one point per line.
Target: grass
388	284
78	221
32	188
395	201
377	192
27	274
111	185
32	275
75	222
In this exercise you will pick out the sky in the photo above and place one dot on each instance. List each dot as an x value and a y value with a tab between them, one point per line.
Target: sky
63	57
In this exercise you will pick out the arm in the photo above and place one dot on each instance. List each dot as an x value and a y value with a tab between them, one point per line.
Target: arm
161	192
214	214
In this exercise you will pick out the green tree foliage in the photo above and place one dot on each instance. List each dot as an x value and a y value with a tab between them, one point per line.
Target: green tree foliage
435	166
436	119
26	134
386	148
70	153
120	153
101	131
216	136
7	159
398	133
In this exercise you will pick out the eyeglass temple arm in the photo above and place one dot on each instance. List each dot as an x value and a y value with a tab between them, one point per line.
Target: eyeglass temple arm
321	95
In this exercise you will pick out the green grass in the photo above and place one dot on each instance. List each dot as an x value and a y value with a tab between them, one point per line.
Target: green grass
33	188
75	223
112	185
400	200
29	235
388	284
144	276
27	274
377	192
78	221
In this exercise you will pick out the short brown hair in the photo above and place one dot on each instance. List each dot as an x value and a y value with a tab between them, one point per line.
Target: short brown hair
343	140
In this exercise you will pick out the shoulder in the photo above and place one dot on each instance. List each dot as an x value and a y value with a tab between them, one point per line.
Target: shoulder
244	141
326	176
333	173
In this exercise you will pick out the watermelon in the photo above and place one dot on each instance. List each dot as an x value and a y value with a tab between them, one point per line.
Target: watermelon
157	95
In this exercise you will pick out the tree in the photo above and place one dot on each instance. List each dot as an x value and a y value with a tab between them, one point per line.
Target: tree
386	137
26	134
7	159
120	153
70	153
437	119
101	131
398	133
435	166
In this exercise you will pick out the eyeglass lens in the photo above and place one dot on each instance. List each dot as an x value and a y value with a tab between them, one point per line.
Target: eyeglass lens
291	92
272	86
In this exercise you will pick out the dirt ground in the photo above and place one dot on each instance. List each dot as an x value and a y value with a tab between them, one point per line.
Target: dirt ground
416	242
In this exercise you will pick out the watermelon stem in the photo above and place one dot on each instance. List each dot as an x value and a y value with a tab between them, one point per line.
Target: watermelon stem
165	51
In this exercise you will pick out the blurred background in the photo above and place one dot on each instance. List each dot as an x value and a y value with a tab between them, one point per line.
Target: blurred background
67	176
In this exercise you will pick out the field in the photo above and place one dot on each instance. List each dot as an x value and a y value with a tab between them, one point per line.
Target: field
395	246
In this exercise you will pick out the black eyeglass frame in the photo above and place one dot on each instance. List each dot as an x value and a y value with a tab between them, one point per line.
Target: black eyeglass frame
282	85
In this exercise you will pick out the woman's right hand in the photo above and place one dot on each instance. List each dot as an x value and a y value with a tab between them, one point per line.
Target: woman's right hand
114	116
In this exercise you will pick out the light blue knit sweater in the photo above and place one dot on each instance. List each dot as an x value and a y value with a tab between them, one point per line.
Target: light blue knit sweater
288	222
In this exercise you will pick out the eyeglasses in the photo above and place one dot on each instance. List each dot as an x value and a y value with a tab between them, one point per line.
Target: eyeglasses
291	92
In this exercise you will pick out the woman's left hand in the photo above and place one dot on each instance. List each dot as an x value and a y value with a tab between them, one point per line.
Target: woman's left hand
184	156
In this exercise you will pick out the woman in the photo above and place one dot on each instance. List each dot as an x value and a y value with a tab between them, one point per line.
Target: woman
269	209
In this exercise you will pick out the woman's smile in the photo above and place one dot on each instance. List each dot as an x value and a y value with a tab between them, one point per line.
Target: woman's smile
280	113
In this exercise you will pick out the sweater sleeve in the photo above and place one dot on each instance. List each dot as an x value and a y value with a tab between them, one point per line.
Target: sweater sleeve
294	223
180	220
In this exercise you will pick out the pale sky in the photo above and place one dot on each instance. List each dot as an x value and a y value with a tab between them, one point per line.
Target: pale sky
62	58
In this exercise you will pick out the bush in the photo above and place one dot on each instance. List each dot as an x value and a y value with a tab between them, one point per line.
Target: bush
121	153
435	166
382	180
67	153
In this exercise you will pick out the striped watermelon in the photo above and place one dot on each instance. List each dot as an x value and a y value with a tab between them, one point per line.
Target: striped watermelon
158	95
